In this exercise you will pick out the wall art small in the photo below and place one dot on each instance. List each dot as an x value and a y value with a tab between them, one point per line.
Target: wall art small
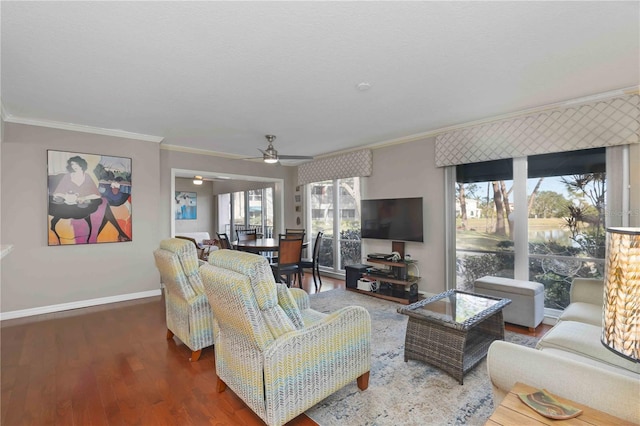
89	198
186	205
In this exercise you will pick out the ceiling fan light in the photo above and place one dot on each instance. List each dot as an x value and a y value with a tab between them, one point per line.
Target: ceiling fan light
270	155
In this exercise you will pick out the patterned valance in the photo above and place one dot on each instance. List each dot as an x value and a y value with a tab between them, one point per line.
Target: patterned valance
352	164
610	122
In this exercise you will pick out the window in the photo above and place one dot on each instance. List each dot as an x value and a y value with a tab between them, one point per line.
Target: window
336	215
251	210
566	220
484	233
562	204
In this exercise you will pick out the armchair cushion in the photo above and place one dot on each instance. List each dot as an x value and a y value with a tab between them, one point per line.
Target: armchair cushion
587	290
188	260
584	339
583	312
235	290
278	319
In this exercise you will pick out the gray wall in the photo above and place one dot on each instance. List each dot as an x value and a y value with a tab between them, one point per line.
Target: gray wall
69	274
408	170
36	275
205	214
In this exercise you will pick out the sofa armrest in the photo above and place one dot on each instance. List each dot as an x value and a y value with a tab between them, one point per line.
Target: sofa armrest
607	391
587	290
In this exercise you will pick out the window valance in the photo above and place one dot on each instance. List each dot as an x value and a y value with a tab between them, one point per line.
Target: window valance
351	164
610	122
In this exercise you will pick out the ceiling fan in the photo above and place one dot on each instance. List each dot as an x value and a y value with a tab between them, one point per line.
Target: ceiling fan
270	155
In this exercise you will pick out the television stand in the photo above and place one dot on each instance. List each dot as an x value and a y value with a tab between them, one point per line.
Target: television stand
398	287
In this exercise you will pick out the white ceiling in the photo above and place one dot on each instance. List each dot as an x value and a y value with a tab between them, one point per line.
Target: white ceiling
219	76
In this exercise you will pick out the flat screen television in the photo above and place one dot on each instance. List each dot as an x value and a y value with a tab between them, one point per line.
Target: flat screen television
398	219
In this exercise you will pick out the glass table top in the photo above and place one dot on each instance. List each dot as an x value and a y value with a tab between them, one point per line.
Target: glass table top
459	307
456	307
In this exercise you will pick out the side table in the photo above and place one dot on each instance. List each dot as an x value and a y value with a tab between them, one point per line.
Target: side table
512	411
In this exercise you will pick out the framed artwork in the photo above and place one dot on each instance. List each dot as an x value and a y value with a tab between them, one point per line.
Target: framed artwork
89	198
186	205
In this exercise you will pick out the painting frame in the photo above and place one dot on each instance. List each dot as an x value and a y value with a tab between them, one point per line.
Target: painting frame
186	205
89	198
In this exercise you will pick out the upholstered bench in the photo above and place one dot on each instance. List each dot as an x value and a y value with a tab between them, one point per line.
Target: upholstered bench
527	299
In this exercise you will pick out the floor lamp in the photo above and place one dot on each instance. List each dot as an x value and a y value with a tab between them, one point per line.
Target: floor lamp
621	315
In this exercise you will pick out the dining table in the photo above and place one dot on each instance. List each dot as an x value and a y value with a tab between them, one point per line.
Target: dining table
260	245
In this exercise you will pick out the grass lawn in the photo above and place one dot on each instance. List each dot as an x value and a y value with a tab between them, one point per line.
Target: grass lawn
479	234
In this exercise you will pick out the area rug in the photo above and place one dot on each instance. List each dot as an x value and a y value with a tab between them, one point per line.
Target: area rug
402	393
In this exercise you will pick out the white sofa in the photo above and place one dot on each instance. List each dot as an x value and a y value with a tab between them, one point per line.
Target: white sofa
579	328
570	361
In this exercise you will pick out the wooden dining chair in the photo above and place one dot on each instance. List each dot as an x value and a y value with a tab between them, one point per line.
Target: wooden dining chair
199	250
247	235
289	258
314	263
290	231
294	232
224	241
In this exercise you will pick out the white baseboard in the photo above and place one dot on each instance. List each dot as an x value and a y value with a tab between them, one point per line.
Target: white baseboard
76	305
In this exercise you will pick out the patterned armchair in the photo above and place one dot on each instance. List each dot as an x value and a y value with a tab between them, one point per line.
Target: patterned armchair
188	313
278	355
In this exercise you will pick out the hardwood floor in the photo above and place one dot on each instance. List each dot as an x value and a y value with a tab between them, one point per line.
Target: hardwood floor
111	365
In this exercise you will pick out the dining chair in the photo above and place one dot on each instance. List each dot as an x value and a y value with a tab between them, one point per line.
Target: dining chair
199	250
314	263
294	231
247	235
289	257
224	241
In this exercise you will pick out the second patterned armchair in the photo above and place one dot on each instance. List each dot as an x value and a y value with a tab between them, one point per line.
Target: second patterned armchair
278	355
188	313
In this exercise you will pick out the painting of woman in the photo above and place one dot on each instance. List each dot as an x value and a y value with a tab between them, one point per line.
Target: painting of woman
83	196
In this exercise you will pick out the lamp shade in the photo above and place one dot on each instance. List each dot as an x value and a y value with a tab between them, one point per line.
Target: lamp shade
621	314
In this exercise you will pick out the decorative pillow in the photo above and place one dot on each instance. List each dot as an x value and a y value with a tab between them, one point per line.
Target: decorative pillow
210	242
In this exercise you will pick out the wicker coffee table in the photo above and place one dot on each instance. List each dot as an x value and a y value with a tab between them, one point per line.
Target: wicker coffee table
453	330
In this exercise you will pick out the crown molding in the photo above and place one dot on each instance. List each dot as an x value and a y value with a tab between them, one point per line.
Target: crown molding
8	118
200	151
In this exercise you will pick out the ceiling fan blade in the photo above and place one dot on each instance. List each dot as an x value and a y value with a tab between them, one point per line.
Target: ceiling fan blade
295	157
